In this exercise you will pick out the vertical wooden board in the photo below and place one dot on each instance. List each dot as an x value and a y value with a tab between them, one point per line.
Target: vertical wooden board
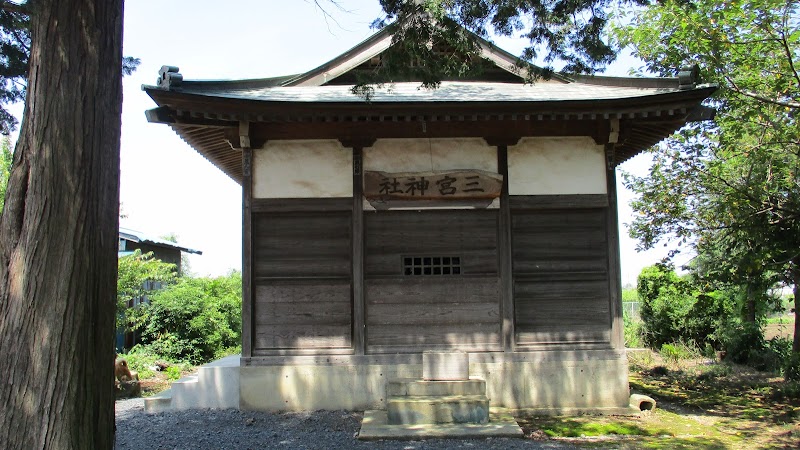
247	254
359	321
505	248
614	271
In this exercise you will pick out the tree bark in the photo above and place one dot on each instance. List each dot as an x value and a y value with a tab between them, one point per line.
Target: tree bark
58	234
750	303
796	340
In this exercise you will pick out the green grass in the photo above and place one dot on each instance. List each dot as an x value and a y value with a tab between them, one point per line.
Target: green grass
699	406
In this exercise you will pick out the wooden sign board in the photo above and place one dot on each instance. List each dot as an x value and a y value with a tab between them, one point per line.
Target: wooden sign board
439	185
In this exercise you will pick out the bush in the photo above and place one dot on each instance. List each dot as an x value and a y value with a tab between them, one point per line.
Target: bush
632	332
678	351
193	320
675	310
665	305
744	343
791	367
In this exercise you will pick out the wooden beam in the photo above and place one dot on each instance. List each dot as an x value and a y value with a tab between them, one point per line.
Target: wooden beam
505	256
572	201
357	240
614	272
349	132
359	142
247	253
498	141
284	205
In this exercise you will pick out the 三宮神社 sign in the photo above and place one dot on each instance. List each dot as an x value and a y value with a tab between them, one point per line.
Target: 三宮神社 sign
439	185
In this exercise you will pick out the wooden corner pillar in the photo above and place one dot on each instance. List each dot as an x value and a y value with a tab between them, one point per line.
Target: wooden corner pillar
247	240
614	272
504	245
357	244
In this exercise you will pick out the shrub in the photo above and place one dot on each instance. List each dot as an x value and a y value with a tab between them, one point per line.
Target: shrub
173	372
678	351
632	332
665	305
193	320
791	367
745	344
675	310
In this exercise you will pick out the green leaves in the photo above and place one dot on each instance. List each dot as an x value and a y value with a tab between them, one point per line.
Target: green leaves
729	190
431	44
193	320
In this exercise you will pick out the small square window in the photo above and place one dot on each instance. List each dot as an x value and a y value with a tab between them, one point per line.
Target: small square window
431	265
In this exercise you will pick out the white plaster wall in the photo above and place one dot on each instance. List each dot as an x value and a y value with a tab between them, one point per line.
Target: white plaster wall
303	169
556	166
421	155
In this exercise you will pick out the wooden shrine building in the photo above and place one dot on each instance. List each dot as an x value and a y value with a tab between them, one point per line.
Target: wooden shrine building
480	216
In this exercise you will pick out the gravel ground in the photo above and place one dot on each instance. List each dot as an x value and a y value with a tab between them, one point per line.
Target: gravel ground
234	429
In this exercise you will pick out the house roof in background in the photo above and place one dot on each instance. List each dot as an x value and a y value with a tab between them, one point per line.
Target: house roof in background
142	238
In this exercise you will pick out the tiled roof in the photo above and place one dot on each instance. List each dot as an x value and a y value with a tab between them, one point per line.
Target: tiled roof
448	91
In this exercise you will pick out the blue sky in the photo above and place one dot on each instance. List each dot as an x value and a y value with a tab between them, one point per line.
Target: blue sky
167	187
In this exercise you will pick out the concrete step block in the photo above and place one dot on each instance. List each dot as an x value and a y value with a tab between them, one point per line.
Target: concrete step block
159	402
414	387
375	426
185	385
437	410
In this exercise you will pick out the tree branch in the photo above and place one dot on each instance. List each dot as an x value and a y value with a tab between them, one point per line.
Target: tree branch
761	98
785	44
15	7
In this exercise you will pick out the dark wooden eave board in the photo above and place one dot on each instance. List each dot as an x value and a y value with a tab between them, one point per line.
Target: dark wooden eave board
210	124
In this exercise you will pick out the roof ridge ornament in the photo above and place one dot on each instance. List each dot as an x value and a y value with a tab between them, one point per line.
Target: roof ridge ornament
688	77
168	77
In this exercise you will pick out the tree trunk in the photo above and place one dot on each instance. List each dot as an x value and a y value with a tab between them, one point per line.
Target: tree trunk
750	303
58	234
796	340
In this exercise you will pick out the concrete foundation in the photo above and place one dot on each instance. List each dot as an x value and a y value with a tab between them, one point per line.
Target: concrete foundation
554	382
547	381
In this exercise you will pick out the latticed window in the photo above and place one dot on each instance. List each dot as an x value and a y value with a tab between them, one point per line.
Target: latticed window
431	265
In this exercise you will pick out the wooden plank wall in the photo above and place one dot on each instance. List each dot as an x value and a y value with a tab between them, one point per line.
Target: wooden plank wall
560	266
302	275
415	313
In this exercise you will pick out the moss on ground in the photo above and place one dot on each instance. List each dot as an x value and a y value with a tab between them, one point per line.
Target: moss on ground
699	406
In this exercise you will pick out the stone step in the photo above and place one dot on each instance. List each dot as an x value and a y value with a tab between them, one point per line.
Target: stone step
159	402
416	387
408	410
501	424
